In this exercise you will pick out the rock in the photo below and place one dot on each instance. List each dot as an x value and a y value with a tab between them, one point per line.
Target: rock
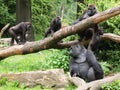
49	78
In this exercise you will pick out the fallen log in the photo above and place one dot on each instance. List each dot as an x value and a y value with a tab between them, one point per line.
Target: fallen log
49	78
56	78
51	42
94	85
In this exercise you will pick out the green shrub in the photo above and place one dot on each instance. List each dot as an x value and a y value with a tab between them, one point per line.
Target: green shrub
59	59
7	12
105	67
3	81
111	56
115	85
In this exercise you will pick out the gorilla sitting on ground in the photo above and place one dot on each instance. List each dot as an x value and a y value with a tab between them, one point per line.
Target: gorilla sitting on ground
83	64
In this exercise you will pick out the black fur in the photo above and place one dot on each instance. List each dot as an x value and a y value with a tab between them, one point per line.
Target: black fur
55	25
83	64
93	30
19	30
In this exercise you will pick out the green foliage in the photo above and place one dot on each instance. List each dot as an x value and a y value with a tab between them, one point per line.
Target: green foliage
112	57
7	13
105	67
47	59
14	85
69	10
43	12
3	81
59	60
70	87
115	85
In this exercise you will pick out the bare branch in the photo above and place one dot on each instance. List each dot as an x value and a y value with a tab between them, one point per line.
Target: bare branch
3	29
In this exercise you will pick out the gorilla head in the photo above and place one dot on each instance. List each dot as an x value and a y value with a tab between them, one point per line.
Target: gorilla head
91	10
75	50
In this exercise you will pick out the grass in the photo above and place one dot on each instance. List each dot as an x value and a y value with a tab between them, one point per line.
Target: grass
38	61
29	62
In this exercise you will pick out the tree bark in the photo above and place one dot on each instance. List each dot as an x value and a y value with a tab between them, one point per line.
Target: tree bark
23	14
94	85
52	41
3	29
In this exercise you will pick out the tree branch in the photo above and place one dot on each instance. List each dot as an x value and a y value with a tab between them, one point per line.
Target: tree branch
105	36
95	85
3	29
50	42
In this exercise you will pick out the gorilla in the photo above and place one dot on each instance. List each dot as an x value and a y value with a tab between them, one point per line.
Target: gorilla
90	11
83	64
55	25
19	30
93	30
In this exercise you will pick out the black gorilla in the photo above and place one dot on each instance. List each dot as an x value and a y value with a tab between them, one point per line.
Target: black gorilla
83	64
55	25
90	11
93	30
19	30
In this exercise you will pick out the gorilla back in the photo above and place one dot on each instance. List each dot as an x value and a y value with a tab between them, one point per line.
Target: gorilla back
19	30
83	64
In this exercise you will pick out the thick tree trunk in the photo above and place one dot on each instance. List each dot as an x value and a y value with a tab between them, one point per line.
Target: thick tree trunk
52	41
23	13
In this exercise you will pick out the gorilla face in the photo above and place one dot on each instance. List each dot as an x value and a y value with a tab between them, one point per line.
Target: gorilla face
76	50
58	19
91	10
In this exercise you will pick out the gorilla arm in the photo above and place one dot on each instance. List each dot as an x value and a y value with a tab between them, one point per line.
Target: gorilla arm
94	63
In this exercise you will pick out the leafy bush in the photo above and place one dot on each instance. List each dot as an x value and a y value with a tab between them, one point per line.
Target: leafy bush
115	85
112	57
3	81
59	59
106	67
7	12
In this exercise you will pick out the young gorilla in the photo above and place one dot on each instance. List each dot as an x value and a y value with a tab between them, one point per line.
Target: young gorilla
90	32
19	30
83	64
55	25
